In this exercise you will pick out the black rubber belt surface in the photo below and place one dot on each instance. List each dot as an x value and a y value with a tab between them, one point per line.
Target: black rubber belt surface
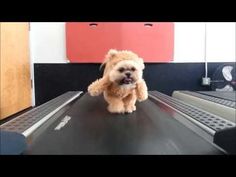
93	130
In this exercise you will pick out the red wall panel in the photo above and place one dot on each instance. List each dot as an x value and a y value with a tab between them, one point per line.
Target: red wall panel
89	42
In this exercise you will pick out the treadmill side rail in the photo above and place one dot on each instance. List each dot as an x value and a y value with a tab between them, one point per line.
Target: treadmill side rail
29	121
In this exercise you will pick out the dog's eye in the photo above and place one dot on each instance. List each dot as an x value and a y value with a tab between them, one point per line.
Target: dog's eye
121	70
133	69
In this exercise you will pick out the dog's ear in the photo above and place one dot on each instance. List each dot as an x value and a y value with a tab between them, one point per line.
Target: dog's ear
141	63
111	53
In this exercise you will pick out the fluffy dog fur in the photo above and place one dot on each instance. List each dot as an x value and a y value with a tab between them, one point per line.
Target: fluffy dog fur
122	83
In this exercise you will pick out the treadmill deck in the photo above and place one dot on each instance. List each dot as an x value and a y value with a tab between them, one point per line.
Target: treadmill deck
91	129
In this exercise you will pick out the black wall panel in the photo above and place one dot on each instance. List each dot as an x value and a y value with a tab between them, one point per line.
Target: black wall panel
51	80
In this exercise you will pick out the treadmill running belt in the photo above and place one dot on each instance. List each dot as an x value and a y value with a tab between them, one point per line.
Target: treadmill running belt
91	129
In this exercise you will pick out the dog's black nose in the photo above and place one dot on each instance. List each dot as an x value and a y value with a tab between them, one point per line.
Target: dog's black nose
128	74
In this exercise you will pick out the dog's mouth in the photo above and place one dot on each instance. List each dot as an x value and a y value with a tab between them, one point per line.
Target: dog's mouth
126	81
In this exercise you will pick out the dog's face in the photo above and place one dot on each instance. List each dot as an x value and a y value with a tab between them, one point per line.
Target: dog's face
126	73
124	68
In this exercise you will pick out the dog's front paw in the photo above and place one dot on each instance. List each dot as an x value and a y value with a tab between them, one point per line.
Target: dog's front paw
116	109
93	91
142	91
142	96
130	108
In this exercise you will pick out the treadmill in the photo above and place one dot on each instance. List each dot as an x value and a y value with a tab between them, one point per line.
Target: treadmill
77	124
222	103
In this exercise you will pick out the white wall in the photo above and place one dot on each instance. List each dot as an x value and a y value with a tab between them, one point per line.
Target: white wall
221	41
48	42
188	42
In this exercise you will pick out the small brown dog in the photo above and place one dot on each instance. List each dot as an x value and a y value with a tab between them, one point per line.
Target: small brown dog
122	83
